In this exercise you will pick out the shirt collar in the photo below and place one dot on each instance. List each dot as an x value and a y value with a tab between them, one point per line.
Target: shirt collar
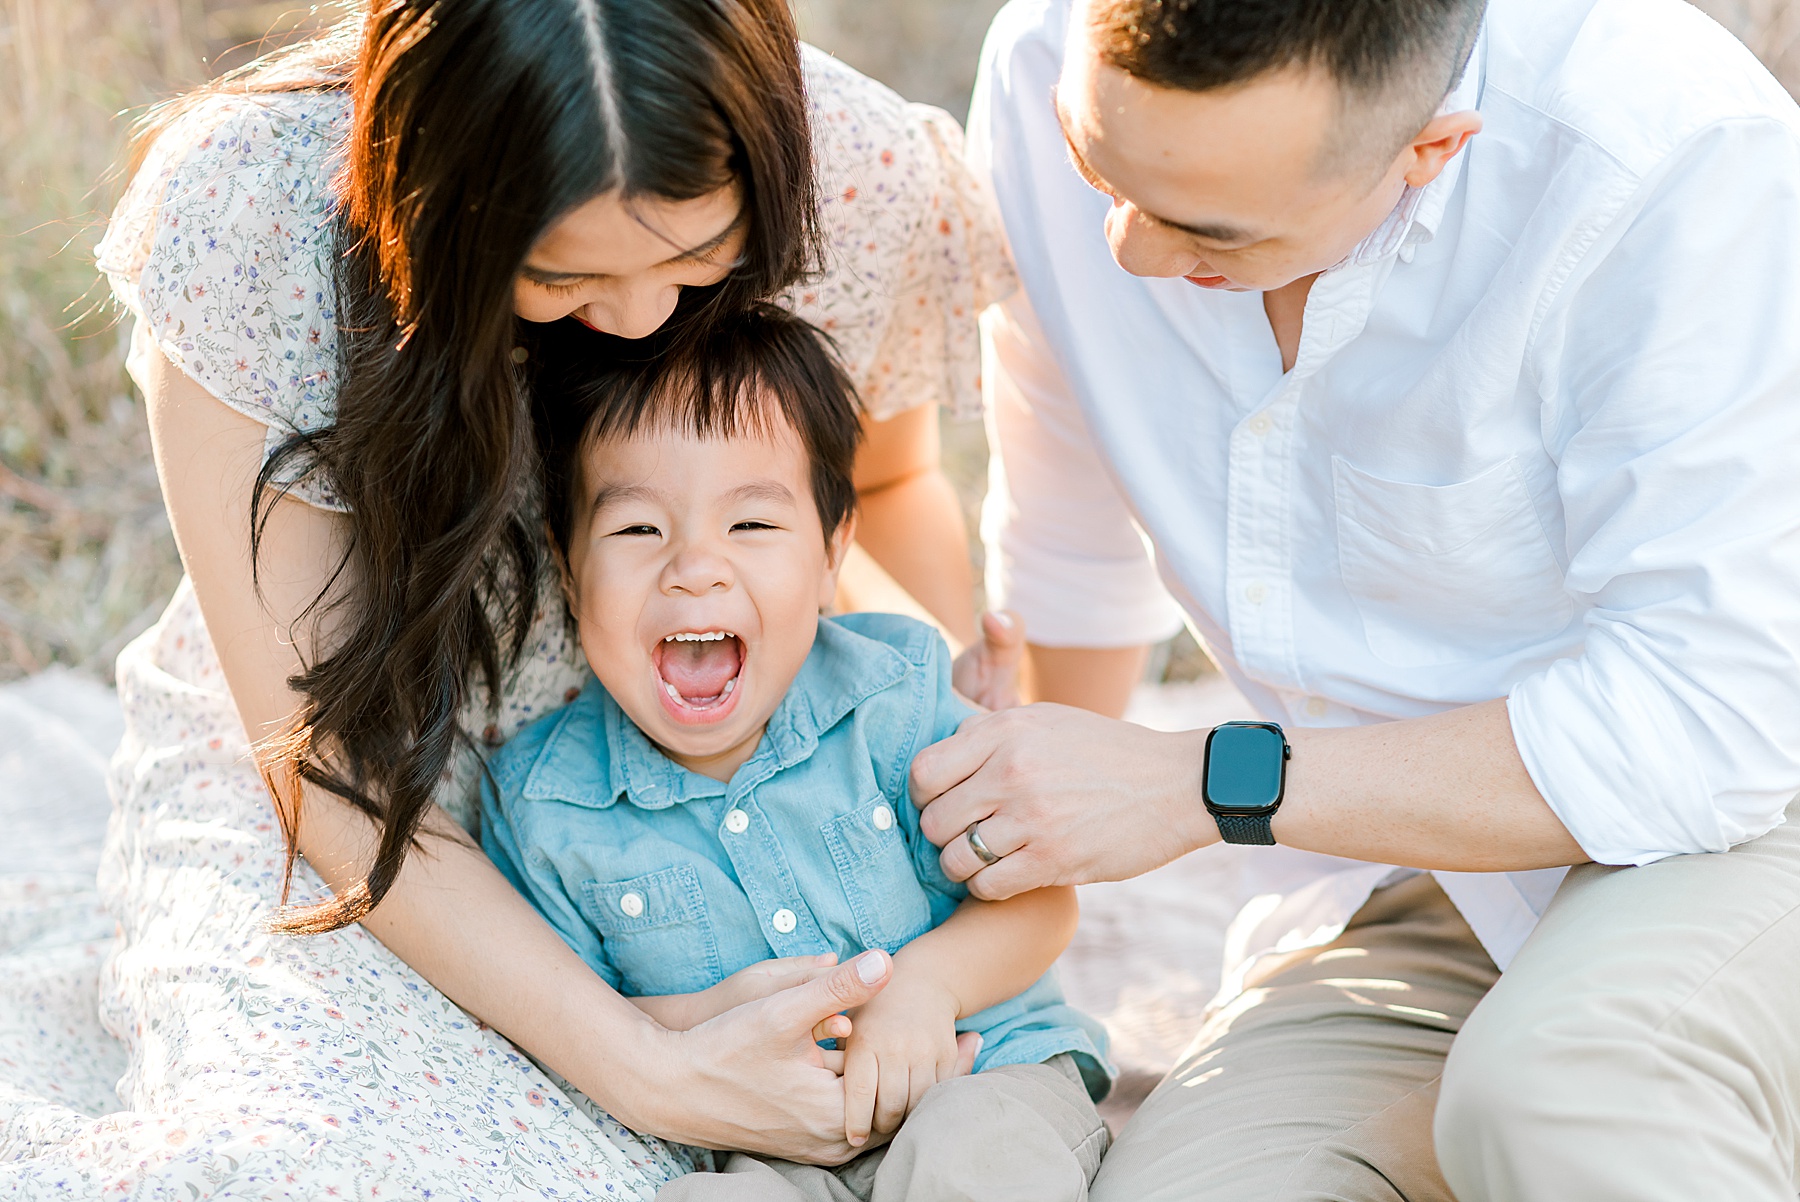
843	670
1416	218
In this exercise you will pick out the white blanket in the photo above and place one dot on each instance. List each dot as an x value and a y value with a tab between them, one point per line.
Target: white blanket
1145	960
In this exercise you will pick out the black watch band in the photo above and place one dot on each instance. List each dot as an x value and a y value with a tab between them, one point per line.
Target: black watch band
1246	828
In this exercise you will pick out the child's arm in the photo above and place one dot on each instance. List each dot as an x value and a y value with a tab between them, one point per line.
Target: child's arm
904	1041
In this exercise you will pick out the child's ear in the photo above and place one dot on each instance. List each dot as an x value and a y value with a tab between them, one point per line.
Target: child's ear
836	548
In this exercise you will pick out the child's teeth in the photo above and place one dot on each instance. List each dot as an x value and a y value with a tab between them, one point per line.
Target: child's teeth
670	690
729	685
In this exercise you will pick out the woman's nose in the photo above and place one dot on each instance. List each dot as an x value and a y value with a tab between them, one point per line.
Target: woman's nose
637	312
1144	247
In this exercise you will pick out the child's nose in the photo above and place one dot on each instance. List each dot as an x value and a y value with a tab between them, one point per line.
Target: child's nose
697	571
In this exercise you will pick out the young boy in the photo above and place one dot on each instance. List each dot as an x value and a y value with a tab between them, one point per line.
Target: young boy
733	784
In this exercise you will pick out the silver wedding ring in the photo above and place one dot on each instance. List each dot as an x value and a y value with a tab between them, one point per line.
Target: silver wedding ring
973	835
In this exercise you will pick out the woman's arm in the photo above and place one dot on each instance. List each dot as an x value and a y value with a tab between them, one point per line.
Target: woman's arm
752	1079
911	523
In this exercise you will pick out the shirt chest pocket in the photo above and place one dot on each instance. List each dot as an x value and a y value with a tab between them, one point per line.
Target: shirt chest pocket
869	851
1447	573
656	931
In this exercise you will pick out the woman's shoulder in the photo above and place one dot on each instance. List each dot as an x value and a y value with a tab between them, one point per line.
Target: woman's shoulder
222	249
913	249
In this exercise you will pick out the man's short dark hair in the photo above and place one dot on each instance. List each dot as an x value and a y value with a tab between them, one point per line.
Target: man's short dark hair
1400	57
730	374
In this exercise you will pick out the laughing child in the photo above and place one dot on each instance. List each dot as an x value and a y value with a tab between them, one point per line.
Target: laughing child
732	785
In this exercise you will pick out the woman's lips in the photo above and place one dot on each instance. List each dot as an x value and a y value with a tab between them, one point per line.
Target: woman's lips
1207	281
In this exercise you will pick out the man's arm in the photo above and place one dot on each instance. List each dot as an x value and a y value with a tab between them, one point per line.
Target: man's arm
1066	797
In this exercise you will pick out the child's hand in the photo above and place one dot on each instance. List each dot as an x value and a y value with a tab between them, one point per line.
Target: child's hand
901	1044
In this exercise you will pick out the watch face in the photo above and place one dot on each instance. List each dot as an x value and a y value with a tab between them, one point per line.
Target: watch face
1244	767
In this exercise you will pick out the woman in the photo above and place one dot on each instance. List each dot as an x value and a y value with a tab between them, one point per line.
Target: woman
328	262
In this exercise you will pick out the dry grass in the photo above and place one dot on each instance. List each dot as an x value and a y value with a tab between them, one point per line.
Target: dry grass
86	559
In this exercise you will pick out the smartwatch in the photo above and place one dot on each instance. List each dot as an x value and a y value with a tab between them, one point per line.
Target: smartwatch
1244	777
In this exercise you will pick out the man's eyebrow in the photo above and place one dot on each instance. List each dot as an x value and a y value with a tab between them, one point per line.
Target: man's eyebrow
541	276
1212	233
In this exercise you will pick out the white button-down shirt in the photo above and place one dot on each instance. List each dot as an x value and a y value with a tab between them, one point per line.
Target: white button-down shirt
1541	442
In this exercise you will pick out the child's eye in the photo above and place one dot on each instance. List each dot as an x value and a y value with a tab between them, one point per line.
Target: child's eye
753	526
652	531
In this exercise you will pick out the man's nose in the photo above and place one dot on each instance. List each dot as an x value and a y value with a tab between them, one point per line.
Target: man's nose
1145	247
697	570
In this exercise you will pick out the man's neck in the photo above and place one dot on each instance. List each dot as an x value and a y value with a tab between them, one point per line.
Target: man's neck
1286	307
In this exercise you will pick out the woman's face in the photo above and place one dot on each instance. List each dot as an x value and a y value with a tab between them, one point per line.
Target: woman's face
618	265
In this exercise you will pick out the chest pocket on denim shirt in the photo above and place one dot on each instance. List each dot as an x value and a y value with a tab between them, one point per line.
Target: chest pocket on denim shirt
1447	573
656	930
873	865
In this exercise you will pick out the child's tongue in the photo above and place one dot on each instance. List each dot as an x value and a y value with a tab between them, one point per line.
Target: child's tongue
700	671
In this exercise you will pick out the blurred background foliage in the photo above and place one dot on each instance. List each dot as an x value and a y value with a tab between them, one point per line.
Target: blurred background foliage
86	559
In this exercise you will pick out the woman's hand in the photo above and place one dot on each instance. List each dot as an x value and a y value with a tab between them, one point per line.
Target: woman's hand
987	673
1063	796
765	978
754	1079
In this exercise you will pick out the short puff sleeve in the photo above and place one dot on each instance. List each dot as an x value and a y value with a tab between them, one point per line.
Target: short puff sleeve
222	251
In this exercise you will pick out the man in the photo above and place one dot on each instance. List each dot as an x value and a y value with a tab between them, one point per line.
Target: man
1451	389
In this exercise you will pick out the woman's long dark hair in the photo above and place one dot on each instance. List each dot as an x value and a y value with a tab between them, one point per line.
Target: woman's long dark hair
475	125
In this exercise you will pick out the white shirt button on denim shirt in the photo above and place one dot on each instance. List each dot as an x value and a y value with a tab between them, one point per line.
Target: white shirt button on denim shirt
1538	442
784	921
883	818
631	905
737	822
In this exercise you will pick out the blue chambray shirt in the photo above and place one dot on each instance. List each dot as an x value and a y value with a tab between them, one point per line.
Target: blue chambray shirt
666	881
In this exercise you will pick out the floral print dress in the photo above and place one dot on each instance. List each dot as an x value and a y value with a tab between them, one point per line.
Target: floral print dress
257	1065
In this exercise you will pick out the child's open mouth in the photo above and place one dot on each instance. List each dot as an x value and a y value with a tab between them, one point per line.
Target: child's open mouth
699	671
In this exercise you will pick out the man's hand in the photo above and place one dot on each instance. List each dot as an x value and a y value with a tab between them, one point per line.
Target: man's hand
900	1045
987	673
1063	796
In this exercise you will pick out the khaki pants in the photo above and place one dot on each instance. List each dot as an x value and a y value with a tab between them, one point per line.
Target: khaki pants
1019	1133
1645	1045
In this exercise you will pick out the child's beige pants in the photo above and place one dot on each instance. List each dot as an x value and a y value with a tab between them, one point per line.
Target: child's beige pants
1020	1133
1643	1047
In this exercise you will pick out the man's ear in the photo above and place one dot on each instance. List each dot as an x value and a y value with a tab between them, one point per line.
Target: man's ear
836	548
1442	139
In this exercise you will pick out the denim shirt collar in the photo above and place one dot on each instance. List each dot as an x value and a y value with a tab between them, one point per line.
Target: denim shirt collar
843	670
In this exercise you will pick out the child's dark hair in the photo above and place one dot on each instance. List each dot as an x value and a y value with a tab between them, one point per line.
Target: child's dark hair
735	374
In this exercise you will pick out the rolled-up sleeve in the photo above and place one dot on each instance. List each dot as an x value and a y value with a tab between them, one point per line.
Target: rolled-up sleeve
1062	548
1672	388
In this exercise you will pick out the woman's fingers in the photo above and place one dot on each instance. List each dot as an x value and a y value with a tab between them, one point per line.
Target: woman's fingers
836	1026
833	1061
802	1008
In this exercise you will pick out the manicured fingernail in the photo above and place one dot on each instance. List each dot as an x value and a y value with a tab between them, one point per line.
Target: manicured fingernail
979	1043
1004	618
871	967
857	1141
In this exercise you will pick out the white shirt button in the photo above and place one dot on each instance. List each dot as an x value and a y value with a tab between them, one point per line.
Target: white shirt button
784	921
737	822
1315	707
1260	424
883	818
631	905
1257	593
